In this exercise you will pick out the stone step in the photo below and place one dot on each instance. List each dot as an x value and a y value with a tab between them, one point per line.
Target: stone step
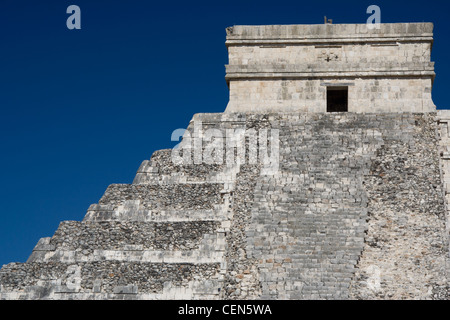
161	170
186	196
110	235
154	202
134	241
55	279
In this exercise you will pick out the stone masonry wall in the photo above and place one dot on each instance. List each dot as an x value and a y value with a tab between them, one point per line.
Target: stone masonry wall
406	245
350	53
299	95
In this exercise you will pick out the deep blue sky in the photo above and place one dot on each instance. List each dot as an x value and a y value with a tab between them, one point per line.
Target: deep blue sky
81	109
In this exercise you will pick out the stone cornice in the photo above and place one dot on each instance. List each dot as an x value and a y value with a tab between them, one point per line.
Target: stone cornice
330	32
331	69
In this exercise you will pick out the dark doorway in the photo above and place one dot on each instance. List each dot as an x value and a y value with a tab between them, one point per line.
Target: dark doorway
337	99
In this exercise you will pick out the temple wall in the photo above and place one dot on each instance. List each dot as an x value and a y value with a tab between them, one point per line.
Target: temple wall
364	95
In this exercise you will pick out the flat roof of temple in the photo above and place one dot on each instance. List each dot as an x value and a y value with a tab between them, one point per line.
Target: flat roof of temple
420	31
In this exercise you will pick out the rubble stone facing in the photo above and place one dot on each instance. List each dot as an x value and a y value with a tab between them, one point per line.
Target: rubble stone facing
188	196
148	278
163	161
101	276
116	235
18	276
406	244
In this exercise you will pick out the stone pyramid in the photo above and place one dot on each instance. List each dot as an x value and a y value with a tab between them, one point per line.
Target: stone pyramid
354	207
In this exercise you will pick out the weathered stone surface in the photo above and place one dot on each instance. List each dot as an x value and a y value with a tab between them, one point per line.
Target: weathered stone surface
289	68
356	208
120	235
355	211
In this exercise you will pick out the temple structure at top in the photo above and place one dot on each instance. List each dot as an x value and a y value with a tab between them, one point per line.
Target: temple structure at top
330	68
